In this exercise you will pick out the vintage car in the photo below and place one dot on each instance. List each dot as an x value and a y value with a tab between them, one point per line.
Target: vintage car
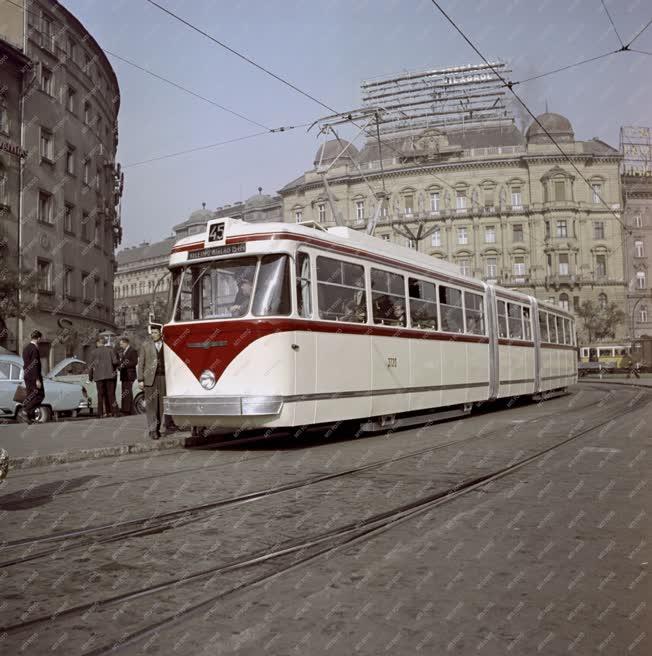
74	370
60	398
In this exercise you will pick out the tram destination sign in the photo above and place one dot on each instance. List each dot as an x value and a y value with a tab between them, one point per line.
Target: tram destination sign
216	251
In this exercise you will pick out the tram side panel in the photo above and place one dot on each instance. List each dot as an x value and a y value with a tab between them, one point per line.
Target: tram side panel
426	373
390	375
517	369
304	349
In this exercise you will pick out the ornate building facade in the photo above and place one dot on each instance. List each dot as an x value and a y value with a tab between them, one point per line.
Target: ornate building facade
505	207
637	193
65	223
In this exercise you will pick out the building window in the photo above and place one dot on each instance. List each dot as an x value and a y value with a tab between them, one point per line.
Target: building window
47	80
4	120
384	208
638	223
98	176
384	237
435	237
596	194
298	216
67	282
68	218
576	303
642	315
563	302
71	100
96	289
517	232
598	230
45	214
518	267
84	226
3	187
465	266
516	198
638	249
490	235
601	266
491	267
47	145
563	264
602	301
47	33
359	210
86	175
562	228
547	229
489	199
409	204
44	275
70	160
434	201
71	48
87	113
462	235
640	280
560	190
97	236
460	200
321	210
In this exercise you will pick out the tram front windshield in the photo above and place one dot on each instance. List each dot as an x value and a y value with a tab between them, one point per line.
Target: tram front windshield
233	288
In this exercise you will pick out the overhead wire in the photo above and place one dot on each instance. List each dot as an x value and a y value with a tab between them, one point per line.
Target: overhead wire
612	23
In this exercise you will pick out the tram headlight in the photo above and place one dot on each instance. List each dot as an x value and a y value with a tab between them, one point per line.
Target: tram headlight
207	379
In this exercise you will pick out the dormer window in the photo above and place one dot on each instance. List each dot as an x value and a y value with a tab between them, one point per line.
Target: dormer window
559	190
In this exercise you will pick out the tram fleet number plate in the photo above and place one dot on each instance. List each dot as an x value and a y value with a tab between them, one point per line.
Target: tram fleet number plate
217	250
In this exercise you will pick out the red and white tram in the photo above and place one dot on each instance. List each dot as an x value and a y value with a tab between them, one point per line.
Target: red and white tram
281	325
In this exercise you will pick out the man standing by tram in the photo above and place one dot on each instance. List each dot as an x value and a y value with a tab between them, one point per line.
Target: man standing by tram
151	379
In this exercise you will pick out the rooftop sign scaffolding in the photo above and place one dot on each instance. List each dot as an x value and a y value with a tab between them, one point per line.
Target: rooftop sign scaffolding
457	97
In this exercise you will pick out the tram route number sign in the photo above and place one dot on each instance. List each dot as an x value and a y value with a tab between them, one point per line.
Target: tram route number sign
215	251
216	232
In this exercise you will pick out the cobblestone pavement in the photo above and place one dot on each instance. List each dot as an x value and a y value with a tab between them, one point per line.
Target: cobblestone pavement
325	544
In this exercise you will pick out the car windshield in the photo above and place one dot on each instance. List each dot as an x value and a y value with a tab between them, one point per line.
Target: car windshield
224	289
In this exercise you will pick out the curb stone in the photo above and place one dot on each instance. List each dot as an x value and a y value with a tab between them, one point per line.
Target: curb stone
77	455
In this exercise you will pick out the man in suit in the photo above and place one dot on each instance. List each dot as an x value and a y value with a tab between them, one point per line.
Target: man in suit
127	368
103	363
33	378
151	379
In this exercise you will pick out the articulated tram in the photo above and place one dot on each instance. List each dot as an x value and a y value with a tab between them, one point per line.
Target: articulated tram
282	325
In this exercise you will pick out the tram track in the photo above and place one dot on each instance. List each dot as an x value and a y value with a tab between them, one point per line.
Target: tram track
155	524
343	536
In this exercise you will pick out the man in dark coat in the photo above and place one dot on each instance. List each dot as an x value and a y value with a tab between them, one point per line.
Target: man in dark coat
103	363
151	379
33	378
127	368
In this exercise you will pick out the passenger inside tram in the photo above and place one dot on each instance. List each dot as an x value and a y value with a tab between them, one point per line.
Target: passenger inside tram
242	298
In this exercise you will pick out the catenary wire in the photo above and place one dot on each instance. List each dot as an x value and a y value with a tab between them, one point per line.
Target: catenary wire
639	33
612	23
563	68
527	109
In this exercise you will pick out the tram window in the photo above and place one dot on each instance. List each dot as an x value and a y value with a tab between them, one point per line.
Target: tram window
450	305
304	298
272	296
341	291
527	326
474	313
515	319
560	330
552	326
423	304
502	319
543	326
388	298
567	332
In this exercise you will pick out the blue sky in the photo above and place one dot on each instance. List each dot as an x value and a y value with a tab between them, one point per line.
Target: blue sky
327	48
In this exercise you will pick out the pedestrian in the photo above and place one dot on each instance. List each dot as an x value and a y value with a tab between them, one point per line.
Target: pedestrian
101	370
127	368
151	379
627	363
32	378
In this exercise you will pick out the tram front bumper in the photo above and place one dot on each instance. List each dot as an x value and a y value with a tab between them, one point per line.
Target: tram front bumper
223	406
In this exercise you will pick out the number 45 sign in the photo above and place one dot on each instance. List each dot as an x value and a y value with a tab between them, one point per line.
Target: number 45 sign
216	232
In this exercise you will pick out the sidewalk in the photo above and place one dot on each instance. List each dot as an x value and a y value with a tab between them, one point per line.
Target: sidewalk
620	379
83	439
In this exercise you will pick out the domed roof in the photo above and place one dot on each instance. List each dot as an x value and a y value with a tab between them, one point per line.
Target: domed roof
201	216
258	199
558	126
331	149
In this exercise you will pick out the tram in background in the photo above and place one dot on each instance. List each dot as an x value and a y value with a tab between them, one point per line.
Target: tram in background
281	325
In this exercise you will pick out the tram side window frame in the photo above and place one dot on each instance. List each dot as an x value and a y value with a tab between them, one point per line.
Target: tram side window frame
303	285
355	308
454	312
388	301
543	325
527	323
474	317
501	314
552	329
274	297
567	331
560	324
513	321
418	285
